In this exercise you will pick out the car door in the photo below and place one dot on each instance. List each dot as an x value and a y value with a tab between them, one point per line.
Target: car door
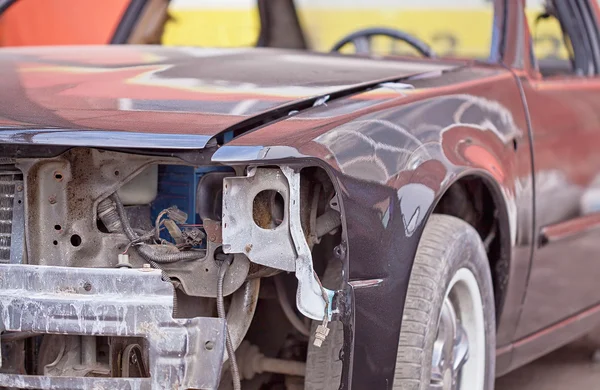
563	97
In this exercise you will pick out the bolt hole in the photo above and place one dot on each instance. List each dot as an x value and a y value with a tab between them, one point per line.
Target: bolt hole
57	227
75	240
267	209
206	269
515	144
55	242
117	173
58	176
19	202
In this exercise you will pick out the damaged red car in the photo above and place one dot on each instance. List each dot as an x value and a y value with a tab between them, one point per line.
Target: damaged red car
267	218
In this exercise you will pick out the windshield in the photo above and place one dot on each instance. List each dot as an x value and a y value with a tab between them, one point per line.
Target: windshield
451	28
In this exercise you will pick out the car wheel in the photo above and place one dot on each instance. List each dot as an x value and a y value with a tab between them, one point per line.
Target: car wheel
324	364
447	338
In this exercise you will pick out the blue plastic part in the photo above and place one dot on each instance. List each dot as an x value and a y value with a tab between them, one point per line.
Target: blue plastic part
177	187
228	136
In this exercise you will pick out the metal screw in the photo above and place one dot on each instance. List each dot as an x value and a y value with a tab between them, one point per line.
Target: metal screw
209	345
212	238
19	188
146	265
248	248
87	286
340	251
52	199
134	358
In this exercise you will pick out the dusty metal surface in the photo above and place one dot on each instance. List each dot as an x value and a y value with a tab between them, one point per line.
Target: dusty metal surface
241	311
270	247
62	194
282	247
183	353
199	278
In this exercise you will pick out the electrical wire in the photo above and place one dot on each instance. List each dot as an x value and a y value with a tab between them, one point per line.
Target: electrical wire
325	298
157	224
144	237
225	261
132	235
147	251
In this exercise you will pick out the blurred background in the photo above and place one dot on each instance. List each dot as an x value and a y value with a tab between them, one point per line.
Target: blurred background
460	28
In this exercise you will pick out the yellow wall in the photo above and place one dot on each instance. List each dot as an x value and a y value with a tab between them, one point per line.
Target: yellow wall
212	27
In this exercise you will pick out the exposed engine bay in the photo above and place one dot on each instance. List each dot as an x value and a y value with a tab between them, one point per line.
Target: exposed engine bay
135	271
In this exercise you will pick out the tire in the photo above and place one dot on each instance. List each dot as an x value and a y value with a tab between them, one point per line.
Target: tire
323	365
451	267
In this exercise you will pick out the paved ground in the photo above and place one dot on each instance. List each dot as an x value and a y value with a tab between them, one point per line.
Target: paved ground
569	368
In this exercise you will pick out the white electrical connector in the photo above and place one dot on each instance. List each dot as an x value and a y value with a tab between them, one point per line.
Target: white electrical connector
322	330
321	334
123	261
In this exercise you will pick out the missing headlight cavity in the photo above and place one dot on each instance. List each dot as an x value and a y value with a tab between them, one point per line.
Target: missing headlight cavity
267	209
266	196
300	204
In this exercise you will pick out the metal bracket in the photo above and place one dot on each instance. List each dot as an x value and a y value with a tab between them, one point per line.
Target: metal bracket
270	247
183	353
283	247
309	296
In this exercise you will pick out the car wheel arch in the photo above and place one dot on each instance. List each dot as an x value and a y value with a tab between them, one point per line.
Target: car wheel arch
477	198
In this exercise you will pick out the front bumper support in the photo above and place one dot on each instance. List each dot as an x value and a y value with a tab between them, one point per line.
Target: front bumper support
183	353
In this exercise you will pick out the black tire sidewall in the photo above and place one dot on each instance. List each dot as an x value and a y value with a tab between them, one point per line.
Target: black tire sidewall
464	249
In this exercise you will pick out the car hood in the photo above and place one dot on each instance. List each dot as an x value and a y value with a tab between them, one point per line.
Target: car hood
105	95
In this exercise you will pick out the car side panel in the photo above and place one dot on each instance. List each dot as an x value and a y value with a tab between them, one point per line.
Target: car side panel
393	152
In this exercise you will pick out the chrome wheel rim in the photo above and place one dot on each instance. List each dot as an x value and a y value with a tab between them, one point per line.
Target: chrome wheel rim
458	359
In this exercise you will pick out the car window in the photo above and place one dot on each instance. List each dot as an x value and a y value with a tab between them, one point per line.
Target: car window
551	46
562	44
548	40
461	28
